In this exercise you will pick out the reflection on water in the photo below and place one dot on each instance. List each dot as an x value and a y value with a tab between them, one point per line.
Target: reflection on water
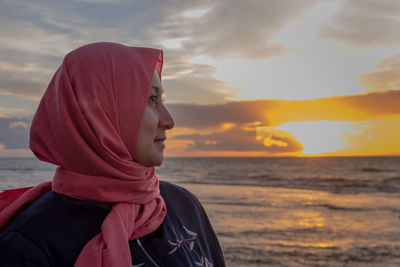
308	219
293	227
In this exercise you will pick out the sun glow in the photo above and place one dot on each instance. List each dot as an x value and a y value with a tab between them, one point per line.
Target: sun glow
319	137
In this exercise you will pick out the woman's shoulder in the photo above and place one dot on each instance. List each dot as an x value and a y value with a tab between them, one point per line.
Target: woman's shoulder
170	190
55	225
179	200
54	211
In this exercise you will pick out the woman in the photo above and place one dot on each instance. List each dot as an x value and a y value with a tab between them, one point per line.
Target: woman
103	122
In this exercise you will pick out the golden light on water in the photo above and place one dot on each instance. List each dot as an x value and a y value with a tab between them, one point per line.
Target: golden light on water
309	219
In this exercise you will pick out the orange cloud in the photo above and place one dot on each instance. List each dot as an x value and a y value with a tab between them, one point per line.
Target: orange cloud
340	108
236	139
373	137
237	128
277	112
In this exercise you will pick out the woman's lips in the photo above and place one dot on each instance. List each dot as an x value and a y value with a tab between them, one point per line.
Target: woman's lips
161	139
160	142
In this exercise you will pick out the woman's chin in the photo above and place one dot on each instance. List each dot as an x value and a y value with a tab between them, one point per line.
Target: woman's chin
151	161
159	161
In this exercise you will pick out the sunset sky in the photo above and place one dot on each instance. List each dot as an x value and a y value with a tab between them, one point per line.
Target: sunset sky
242	78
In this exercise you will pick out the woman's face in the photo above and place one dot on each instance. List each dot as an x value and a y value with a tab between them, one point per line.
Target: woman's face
156	121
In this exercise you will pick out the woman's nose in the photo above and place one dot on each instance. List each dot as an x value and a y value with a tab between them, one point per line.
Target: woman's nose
166	121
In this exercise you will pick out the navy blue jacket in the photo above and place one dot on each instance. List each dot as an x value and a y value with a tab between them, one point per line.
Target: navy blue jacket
53	230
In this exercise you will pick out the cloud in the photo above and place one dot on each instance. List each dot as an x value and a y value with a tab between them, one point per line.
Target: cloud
11	112
243	29
386	78
26	79
277	112
15	153
36	36
18	124
371	105
14	133
193	83
205	116
290	144
39	34
373	137
21	86
249	125
239	139
365	23
253	126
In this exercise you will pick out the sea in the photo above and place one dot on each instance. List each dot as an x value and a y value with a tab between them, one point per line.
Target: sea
327	211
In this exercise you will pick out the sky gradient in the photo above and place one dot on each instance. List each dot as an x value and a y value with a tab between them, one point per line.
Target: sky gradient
242	78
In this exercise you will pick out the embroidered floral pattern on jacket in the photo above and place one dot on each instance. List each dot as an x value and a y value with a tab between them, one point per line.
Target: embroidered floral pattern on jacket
190	241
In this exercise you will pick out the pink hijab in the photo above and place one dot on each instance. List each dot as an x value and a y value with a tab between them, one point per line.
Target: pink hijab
87	123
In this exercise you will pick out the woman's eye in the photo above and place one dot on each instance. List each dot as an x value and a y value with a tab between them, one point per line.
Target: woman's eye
152	99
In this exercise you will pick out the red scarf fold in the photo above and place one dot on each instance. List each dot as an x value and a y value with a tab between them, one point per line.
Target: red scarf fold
87	123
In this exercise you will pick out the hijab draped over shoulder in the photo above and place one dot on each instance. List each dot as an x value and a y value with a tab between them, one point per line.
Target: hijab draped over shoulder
87	123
